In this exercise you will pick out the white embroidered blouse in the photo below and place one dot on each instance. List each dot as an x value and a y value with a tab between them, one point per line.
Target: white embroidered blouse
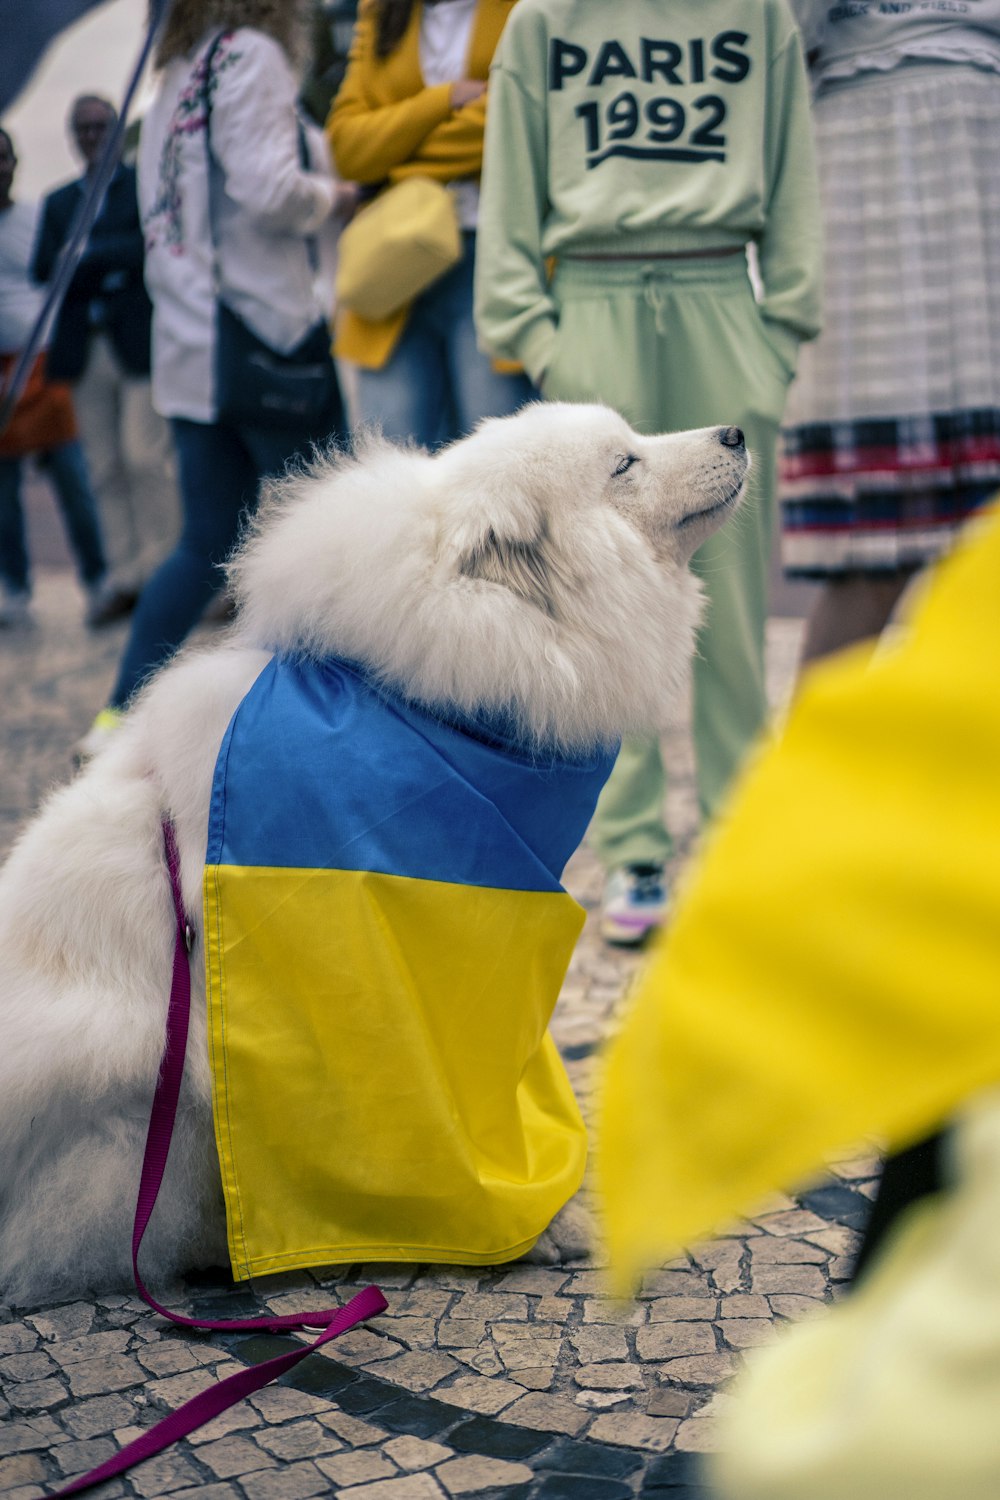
264	207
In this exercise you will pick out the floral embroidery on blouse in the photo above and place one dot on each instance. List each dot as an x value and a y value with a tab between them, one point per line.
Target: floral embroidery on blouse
165	220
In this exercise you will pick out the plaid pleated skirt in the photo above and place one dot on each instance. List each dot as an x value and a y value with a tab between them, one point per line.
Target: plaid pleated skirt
892	433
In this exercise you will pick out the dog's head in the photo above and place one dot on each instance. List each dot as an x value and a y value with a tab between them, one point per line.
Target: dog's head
538	567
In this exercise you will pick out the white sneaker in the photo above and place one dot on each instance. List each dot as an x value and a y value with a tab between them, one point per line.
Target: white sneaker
104	727
15	607
634	905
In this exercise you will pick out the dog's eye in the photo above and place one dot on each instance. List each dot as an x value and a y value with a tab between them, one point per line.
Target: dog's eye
625	462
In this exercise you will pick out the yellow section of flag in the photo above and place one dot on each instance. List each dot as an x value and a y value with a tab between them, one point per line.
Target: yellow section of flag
833	965
384	1085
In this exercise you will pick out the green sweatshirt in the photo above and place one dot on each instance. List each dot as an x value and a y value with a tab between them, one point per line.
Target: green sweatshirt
641	127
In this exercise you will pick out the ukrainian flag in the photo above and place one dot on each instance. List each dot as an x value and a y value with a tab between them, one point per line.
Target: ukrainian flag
386	936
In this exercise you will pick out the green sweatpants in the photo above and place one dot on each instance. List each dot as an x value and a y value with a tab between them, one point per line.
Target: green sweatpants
675	345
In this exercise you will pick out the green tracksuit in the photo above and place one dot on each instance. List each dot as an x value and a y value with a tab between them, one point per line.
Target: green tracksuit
640	130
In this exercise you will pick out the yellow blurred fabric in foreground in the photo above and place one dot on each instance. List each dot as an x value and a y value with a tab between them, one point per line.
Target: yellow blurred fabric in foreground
833	966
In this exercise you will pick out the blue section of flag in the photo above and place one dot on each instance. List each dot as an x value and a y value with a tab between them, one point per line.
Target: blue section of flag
321	770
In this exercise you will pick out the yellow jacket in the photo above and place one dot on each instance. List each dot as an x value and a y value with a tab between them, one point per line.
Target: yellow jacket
386	125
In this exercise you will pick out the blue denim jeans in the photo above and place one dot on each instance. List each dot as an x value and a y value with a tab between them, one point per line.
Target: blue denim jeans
219	469
437	384
66	470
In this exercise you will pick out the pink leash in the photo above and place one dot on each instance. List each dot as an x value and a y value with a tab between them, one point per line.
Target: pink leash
218	1398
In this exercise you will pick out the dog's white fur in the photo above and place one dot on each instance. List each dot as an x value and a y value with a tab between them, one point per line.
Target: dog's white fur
515	570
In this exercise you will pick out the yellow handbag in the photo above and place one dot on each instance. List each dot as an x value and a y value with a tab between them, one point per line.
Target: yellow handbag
396	246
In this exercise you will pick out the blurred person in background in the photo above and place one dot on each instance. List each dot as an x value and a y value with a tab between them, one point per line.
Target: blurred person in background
100	344
643	147
42	423
227	218
892	434
414	103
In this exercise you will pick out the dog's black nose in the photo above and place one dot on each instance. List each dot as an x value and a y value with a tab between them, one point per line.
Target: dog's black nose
731	437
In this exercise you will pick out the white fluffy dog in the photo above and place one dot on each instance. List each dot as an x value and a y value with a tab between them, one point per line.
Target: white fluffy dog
537	567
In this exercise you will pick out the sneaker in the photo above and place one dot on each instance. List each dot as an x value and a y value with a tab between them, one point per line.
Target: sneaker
107	602
15	607
106	725
634	905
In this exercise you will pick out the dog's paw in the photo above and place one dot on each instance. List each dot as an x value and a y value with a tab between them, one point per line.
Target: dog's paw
570	1236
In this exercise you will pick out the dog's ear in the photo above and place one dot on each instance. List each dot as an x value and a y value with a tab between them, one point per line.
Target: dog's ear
515	562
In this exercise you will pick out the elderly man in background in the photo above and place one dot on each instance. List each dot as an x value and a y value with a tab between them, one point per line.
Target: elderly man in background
101	344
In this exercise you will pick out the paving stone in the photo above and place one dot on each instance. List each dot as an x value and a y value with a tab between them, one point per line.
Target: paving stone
573	1487
23	1468
20	1367
239	1418
298	1440
609	1377
838	1239
364	1398
64	1322
461	1333
746	1333
675	1284
796	1307
102	1414
766	1250
357	1468
280	1403
599	1342
415	1333
422	1416
570	1457
167	1471
491	1306
601	1400
234	1455
487	1396
472	1475
518	1353
835	1201
36	1395
665	1402
615	1310
536	1377
416	1371
485	1360
289	1482
91	1347
15	1338
413	1453
537	1281
554	1309
744	1305
353	1431
77	1458
682	1309
408	1487
169	1357
805	1281
546	1413
705	1369
359	1346
22	1437
699	1435
425	1302
628	1430
667	1340
792	1221
202	1492
496	1439
172	1390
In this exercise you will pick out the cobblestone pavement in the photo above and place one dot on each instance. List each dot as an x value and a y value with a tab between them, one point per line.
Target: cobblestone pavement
509	1381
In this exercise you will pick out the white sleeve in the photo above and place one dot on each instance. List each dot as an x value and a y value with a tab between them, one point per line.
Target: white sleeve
255	140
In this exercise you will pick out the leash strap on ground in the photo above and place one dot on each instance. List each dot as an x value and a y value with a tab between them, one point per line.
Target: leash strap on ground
333	1321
